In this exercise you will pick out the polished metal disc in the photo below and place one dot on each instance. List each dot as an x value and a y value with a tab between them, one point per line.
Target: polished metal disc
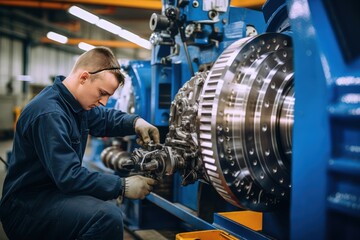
245	122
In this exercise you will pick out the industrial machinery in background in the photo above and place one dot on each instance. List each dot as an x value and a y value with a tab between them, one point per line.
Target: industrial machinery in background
223	83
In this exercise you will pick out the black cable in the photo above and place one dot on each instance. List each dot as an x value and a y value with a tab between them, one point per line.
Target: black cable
7	165
183	39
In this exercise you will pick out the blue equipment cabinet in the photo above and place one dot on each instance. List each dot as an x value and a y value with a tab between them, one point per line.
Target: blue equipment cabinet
325	201
325	166
139	73
174	62
325	173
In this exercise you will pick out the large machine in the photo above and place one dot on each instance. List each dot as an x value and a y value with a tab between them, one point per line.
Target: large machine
223	83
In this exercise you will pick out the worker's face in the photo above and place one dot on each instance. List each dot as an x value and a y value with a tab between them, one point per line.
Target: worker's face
95	89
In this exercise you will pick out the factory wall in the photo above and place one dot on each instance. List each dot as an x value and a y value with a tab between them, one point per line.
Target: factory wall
11	64
25	70
45	63
42	64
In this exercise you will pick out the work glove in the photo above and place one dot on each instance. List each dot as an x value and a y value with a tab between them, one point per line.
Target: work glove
146	132
137	187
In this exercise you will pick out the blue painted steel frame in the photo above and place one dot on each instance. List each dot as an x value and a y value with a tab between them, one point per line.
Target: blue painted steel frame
179	212
140	73
186	195
176	71
326	136
325	177
311	136
220	222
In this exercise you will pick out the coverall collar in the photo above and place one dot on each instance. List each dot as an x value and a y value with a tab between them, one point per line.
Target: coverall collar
66	94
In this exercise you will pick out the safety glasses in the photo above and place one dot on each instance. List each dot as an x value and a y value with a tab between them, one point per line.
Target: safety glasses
105	69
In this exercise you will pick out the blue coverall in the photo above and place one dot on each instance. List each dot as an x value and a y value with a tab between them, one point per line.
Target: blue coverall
47	194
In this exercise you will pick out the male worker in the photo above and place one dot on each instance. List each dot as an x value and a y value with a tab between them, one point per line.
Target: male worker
47	194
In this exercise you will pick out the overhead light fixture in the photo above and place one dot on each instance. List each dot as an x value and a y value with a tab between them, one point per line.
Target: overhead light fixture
110	27
128	35
144	43
57	37
85	46
135	39
83	14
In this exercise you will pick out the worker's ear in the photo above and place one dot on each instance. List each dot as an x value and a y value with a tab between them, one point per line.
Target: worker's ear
84	76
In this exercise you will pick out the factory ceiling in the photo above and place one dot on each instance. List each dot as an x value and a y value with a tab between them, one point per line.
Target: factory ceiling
52	15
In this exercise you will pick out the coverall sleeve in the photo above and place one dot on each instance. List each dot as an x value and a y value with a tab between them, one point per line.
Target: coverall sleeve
53	145
104	122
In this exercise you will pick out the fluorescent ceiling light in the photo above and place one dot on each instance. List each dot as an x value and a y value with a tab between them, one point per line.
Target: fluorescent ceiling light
144	43
135	39
85	46
128	35
108	26
83	14
57	37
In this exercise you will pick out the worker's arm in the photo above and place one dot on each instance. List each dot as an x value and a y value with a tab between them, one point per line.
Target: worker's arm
104	122
55	144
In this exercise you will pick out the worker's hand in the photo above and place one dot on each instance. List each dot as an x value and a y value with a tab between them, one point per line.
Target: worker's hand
146	132
137	187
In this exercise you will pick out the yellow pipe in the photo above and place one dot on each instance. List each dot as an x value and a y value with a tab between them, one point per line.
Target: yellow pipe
247	3
142	4
60	4
145	4
36	4
105	43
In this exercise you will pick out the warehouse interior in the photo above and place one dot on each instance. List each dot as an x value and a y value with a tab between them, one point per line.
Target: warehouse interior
257	103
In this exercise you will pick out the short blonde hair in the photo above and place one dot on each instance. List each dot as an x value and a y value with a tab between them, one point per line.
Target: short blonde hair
97	59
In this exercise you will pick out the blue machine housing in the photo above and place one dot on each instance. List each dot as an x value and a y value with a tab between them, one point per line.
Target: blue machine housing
172	67
325	201
170	70
325	165
139	72
325	192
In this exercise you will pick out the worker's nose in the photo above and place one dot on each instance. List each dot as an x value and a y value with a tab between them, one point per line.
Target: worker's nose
103	100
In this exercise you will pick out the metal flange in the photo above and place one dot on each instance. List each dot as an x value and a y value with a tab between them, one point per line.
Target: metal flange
245	122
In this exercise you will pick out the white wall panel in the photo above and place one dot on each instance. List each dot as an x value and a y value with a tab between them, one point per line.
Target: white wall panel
35	65
18	65
52	62
11	64
46	63
65	63
5	59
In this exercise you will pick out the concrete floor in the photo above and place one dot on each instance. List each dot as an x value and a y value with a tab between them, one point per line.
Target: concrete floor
6	145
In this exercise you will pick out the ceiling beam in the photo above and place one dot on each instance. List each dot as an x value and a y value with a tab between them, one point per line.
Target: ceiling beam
36	4
154	4
65	4
16	15
71	26
142	4
105	43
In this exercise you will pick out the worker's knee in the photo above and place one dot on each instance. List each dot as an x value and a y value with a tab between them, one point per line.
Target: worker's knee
106	223
112	213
